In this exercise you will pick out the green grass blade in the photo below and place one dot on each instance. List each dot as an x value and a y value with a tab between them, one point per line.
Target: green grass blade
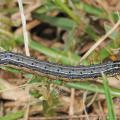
64	23
98	12
89	86
111	114
66	9
13	116
53	53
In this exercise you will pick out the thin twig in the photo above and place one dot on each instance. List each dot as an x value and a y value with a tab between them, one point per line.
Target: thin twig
25	35
100	40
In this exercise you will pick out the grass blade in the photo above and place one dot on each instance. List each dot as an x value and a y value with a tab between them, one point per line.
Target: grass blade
111	114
